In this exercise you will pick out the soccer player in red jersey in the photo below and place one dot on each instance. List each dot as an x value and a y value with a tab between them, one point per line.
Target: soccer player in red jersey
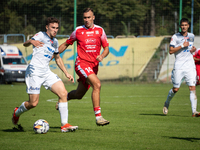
90	38
196	57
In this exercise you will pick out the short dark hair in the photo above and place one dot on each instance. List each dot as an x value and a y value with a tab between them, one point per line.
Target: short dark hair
87	10
52	20
184	20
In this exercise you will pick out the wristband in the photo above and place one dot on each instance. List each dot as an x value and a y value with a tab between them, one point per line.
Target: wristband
182	46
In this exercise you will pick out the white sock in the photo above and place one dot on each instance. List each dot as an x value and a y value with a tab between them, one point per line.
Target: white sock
170	96
193	100
63	109
21	110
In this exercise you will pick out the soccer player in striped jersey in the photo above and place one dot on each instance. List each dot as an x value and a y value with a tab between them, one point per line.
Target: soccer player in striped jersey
181	46
90	38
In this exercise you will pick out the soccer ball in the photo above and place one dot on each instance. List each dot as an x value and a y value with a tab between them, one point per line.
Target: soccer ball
41	126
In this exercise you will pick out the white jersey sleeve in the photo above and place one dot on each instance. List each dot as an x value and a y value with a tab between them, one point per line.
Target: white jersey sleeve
38	36
173	41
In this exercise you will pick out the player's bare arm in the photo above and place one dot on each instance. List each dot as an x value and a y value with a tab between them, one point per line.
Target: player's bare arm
61	65
193	49
175	49
63	47
196	59
103	55
35	43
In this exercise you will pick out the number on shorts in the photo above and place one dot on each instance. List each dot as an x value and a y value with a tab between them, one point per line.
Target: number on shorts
88	69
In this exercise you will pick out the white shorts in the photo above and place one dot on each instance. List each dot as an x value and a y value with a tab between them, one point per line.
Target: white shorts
34	82
188	75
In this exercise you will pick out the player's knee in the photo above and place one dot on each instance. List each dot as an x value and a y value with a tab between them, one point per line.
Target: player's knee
63	94
97	86
175	90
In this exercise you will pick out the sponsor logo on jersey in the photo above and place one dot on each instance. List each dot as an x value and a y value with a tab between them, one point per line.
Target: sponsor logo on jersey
90	41
186	38
90	32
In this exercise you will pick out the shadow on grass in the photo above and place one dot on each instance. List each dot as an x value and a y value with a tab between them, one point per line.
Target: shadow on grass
162	115
13	130
153	114
81	129
190	139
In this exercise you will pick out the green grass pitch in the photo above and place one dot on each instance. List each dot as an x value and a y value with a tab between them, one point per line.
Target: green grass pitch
134	112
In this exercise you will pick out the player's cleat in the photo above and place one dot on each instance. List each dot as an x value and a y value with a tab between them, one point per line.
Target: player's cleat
67	128
165	108
15	119
101	121
57	106
196	114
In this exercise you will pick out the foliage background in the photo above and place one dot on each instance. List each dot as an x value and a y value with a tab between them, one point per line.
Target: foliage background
127	17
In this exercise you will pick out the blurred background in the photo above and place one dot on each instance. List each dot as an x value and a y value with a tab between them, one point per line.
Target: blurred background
129	24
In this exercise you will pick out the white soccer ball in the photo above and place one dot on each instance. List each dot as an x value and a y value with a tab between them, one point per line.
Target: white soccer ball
41	126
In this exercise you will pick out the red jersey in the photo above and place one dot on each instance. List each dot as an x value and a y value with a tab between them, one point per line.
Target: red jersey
197	55
89	42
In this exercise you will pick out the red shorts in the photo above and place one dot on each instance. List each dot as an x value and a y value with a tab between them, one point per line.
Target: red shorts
198	72
83	70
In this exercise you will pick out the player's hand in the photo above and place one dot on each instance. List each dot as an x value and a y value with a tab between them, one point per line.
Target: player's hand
70	77
193	49
186	44
37	43
99	58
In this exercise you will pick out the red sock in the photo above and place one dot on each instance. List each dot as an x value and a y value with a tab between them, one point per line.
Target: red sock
97	111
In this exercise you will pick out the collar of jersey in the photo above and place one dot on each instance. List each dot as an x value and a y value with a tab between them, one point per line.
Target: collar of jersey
88	28
48	36
182	34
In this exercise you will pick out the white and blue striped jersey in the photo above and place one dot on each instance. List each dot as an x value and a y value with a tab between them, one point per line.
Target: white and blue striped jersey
183	58
42	55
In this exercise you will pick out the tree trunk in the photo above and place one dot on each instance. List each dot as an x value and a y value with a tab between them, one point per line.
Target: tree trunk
152	32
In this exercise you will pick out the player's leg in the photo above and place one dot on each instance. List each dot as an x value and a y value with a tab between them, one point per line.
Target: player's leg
193	100
25	106
190	80
78	93
33	84
59	89
198	75
176	80
75	94
95	83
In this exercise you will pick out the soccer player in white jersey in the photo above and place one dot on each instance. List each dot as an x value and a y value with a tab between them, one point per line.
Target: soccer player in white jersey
38	73
181	46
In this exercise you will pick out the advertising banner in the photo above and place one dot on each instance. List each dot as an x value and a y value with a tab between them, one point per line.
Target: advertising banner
127	58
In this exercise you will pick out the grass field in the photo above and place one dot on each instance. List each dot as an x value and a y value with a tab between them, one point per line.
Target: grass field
134	110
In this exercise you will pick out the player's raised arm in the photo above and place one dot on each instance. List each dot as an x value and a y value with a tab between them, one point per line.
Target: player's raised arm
63	47
35	43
